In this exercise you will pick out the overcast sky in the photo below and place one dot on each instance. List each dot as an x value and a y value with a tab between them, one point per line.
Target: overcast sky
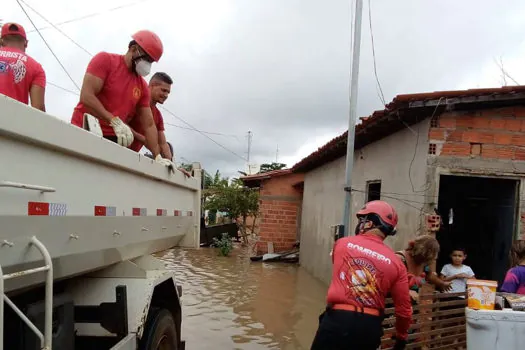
279	68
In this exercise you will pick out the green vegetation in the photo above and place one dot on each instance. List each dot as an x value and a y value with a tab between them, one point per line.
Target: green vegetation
271	167
230	196
224	245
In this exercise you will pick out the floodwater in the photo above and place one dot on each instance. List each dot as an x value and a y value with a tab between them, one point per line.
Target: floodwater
233	303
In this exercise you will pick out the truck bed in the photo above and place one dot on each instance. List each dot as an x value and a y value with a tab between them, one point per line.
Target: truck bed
91	202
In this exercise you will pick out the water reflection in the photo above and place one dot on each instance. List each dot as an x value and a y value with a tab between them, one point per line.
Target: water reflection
232	303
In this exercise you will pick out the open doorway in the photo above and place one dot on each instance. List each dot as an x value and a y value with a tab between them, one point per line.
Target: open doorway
478	214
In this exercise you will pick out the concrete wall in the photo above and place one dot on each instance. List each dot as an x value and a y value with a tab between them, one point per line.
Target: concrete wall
387	160
280	207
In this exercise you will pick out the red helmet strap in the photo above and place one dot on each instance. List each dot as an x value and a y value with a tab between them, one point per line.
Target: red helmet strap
142	54
377	222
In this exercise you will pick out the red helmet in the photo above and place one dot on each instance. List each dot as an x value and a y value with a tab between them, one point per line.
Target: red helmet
149	42
384	211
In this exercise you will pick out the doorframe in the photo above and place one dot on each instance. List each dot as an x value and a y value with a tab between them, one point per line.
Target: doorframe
489	175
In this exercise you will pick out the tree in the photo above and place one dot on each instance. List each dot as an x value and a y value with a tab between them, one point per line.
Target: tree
234	199
271	166
211	184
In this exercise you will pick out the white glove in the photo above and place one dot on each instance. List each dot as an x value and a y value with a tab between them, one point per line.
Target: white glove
165	162
122	131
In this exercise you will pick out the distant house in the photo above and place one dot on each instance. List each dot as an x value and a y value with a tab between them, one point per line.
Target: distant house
461	153
280	208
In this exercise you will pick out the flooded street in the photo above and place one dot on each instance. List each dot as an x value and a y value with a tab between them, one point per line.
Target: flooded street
233	303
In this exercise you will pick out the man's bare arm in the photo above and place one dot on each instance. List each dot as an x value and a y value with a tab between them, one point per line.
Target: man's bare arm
138	137
150	130
164	148
91	86
37	96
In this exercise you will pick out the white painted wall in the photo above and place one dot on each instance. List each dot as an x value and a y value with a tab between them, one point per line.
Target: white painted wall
387	160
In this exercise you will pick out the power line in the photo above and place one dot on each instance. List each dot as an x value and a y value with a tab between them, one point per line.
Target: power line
170	124
415	152
63	88
381	95
90	15
206	132
67	90
49	47
203	134
58	29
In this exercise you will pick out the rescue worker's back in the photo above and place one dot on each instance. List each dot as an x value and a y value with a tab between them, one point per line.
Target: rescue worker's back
365	270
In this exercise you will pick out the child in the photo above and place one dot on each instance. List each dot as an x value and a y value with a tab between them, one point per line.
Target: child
515	279
457	272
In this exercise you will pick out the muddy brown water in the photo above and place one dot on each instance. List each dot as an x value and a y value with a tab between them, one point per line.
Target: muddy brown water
233	303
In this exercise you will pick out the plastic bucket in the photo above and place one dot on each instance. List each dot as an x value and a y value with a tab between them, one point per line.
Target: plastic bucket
481	294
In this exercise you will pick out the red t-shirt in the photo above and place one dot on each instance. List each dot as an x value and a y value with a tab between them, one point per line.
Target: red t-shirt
123	91
365	270
136	125
18	72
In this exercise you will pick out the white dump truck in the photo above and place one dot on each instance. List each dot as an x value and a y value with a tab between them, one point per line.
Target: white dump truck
80	217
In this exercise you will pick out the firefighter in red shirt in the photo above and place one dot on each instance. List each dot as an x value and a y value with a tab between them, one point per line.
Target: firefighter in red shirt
21	77
365	270
159	87
114	90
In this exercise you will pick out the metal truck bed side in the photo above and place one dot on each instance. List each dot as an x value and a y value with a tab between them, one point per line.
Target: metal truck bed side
91	202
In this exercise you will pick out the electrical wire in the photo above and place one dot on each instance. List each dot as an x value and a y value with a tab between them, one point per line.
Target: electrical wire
49	47
90	15
203	134
54	26
206	132
63	88
170	124
381	95
415	152
70	91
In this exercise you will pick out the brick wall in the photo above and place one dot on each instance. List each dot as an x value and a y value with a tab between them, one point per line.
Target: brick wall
490	134
280	205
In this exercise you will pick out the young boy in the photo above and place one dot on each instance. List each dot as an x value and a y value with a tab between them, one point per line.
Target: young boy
457	272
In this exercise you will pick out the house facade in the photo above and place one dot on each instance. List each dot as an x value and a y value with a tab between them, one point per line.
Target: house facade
280	196
458	153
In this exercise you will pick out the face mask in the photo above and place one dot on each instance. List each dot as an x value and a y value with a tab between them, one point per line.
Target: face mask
143	67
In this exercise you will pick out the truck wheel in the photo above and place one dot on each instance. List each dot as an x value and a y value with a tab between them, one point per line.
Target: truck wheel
160	332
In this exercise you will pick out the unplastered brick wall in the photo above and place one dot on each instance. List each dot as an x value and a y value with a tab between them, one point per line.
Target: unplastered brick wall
490	133
280	205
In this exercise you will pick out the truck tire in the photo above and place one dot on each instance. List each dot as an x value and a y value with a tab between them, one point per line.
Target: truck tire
160	332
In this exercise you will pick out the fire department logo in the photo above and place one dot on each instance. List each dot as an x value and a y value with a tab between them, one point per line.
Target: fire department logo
19	70
137	93
3	67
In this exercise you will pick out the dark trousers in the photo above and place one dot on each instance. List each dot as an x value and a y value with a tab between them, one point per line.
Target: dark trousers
348	330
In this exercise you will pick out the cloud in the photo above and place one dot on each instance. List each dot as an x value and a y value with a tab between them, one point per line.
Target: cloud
281	68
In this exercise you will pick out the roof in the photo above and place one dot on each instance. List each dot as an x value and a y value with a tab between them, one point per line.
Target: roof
409	109
255	179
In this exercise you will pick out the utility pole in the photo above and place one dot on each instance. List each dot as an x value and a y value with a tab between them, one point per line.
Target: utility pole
277	154
353	116
249	151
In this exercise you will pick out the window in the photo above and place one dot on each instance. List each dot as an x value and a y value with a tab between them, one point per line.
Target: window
373	190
